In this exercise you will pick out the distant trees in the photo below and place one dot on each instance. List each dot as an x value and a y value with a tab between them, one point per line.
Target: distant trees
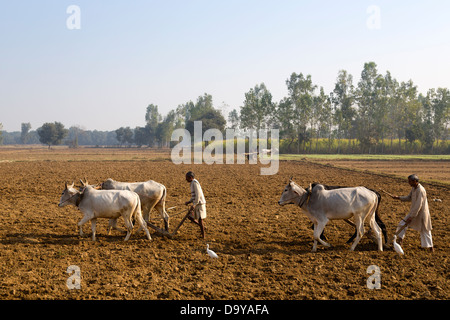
436	116
377	110
158	129
52	133
124	135
204	111
374	114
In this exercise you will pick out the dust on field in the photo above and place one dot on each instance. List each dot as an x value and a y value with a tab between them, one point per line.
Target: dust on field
264	249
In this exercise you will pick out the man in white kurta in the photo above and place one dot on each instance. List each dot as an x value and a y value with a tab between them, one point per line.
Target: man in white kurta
198	202
418	217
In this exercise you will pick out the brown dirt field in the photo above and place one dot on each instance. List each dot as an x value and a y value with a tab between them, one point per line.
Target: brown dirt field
432	171
264	249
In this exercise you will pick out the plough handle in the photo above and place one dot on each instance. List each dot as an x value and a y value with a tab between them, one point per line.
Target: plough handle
181	222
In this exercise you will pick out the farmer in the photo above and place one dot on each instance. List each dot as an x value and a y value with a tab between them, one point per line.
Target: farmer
198	208
419	216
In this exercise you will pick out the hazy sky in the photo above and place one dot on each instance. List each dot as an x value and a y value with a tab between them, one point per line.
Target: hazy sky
128	54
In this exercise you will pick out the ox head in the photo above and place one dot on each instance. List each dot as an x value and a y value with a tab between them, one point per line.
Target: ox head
108	184
292	194
68	195
86	184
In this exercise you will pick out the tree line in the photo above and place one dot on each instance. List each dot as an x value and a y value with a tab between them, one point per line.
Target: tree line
156	133
378	114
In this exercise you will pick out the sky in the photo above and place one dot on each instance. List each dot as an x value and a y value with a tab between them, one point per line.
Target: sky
101	66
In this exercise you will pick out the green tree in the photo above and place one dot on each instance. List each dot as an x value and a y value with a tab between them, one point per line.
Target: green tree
369	96
435	106
440	110
393	114
343	99
171	122
212	119
203	110
286	120
73	137
383	89
258	109
183	111
124	135
203	105
141	136
24	135
233	119
153	118
301	93
326	120
52	133
408	113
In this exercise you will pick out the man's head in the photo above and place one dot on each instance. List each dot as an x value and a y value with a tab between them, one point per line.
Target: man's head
189	176
413	180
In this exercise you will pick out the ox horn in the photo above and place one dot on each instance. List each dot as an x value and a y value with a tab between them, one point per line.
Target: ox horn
84	184
290	178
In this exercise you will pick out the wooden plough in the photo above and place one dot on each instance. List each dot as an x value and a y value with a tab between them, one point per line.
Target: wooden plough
166	233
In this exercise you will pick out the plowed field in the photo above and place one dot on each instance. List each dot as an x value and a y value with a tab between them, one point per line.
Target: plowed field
264	249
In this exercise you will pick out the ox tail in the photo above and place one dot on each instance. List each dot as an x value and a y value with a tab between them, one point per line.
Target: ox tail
136	210
378	219
137	215
163	199
163	206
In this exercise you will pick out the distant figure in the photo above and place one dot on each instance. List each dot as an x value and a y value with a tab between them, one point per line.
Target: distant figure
419	215
198	201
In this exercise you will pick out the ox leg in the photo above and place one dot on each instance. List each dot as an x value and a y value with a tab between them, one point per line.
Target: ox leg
162	211
377	230
93	225
318	229
113	225
85	219
147	208
129	226
165	216
359	222
382	226
146	216
143	225
111	222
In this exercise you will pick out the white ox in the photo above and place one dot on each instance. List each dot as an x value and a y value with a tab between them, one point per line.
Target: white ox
321	205
151	193
109	204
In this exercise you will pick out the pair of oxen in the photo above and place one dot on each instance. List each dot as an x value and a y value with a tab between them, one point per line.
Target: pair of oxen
320	203
132	201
